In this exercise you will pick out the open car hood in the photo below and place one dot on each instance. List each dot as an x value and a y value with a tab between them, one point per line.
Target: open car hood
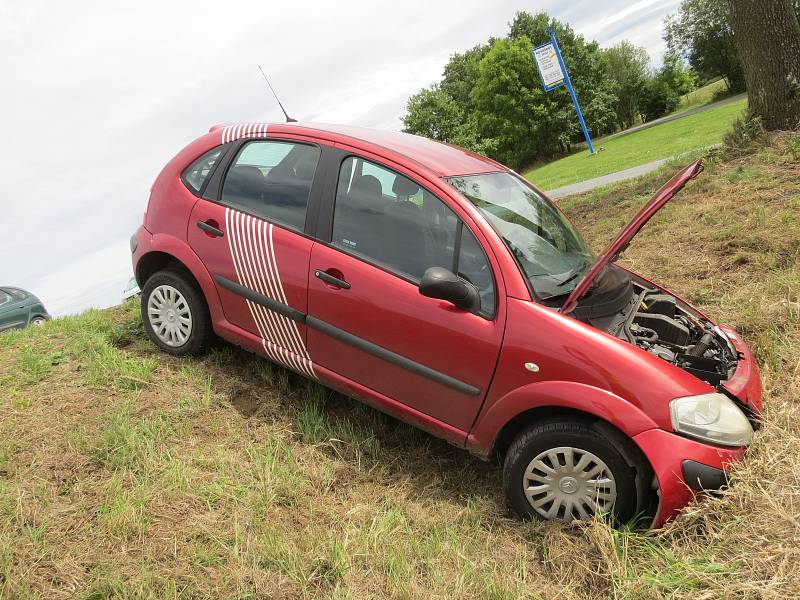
620	243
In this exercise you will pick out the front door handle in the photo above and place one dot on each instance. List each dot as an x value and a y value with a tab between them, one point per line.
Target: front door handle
210	227
331	280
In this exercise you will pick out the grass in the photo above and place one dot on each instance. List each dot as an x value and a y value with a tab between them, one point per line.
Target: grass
702	95
618	153
125	473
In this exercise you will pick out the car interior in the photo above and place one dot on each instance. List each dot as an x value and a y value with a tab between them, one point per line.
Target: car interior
279	192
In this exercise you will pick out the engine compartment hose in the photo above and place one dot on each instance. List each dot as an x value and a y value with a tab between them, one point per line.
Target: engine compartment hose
705	342
646	334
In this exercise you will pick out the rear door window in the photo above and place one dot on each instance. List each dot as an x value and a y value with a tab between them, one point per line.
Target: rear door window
272	180
4	298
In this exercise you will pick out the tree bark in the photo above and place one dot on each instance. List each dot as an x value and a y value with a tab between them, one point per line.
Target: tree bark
767	37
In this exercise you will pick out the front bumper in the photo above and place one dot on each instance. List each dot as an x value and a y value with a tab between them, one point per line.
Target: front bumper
682	467
746	381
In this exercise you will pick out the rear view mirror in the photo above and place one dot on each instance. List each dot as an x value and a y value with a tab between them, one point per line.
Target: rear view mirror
442	284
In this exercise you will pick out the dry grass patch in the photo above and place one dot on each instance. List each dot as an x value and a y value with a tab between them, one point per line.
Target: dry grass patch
125	473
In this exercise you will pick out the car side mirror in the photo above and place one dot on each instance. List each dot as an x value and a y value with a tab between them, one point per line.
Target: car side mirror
438	282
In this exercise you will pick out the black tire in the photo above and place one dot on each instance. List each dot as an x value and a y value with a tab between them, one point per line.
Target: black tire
554	434
201	332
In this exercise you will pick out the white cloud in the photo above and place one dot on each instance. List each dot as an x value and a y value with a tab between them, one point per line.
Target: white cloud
93	280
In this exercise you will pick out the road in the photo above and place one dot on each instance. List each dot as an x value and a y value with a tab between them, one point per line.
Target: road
632	173
603	180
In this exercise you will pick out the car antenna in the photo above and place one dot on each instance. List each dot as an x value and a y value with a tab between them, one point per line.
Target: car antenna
288	118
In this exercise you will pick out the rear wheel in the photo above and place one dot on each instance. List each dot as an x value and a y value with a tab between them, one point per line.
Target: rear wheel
38	321
175	313
564	471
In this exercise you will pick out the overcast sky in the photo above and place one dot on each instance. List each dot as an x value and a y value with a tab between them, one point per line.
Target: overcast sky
98	96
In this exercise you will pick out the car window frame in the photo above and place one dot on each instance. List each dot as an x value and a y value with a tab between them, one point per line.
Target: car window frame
17	295
225	149
325	229
213	191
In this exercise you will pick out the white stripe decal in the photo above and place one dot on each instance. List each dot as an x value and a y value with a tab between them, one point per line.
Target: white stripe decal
231	133
252	249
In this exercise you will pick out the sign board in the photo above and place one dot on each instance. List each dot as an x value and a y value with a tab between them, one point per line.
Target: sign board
549	66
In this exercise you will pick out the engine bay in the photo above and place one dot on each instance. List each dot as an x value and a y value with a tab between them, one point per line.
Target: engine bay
656	322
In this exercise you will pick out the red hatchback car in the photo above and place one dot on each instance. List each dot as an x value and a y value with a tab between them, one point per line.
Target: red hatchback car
442	288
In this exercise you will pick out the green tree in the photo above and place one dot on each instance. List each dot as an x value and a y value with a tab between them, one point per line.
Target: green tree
433	113
510	104
490	98
701	31
678	74
461	73
587	66
628	67
658	99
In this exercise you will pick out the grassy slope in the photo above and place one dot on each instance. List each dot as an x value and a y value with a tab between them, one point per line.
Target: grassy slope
662	141
701	96
127	473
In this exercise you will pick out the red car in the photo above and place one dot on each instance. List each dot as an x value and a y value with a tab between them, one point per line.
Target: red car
442	288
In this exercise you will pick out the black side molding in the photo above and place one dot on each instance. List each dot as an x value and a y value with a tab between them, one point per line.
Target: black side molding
392	357
348	338
278	307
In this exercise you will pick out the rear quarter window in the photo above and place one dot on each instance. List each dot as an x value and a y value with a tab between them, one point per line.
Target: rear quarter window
197	174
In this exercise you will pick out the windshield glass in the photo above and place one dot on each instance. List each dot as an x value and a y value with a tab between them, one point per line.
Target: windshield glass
551	253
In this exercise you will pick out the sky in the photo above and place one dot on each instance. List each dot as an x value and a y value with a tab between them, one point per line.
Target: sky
98	96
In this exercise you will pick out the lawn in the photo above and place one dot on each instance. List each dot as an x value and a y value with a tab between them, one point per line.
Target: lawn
702	95
623	152
129	474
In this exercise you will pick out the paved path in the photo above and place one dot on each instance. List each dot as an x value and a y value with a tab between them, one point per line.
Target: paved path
591	184
632	173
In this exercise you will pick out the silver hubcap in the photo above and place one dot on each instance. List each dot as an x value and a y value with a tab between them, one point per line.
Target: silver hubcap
569	483
169	315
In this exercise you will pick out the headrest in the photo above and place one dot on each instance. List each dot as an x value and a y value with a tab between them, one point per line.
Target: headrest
367	186
404	187
247	173
280	173
306	167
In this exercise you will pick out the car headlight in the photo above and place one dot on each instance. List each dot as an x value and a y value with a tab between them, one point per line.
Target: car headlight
712	418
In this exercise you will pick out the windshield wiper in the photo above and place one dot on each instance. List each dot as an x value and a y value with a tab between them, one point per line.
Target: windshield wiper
572	274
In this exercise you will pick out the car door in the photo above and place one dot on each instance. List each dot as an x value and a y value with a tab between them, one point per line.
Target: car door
250	234
367	320
6	313
12	313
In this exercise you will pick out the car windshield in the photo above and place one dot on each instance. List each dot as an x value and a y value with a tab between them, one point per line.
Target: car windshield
548	249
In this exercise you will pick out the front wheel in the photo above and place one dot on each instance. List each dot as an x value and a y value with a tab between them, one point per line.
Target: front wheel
175	313
565	471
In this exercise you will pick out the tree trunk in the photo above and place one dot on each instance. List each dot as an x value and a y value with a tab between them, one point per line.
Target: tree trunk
767	37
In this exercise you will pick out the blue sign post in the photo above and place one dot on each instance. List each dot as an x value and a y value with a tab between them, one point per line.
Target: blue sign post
554	75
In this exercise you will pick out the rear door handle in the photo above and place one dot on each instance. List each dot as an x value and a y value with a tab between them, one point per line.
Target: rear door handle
331	280
210	228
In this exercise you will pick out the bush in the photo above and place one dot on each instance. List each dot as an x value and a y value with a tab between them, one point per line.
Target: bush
659	99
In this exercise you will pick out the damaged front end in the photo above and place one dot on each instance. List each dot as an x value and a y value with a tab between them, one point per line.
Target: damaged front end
655	321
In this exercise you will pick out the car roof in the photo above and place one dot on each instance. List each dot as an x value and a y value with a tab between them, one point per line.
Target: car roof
442	159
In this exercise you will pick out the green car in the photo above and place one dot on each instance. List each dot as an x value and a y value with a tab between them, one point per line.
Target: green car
19	309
